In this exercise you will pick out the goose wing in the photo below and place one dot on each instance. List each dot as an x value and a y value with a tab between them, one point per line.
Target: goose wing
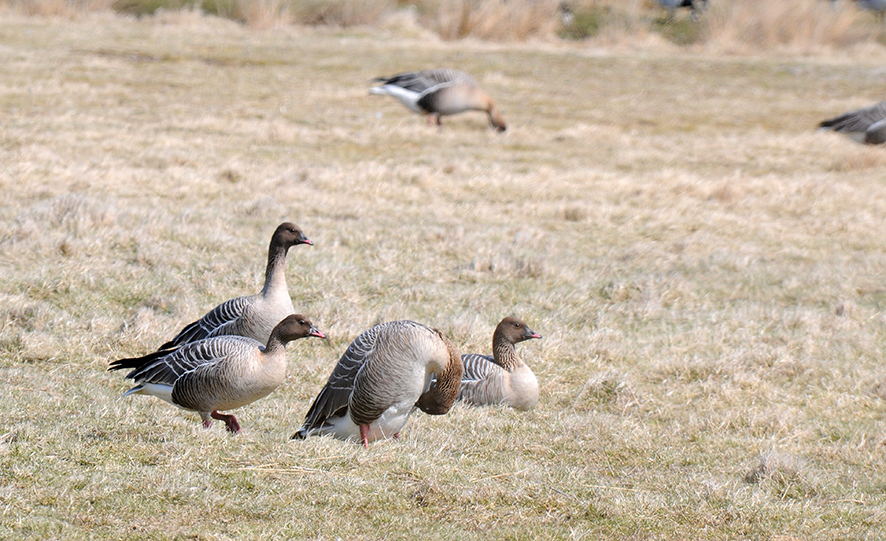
333	398
856	121
224	314
167	369
477	366
427	81
482	379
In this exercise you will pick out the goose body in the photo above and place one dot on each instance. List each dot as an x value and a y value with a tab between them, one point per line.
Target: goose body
252	316
380	379
502	378
866	125
878	7
697	6
219	373
438	93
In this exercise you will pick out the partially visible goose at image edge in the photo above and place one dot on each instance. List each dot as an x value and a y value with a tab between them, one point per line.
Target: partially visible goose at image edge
218	373
380	379
877	7
502	378
697	6
866	125
252	316
440	92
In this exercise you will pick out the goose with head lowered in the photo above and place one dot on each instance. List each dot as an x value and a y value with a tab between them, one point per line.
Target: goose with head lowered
502	378
440	92
252	316
219	373
382	377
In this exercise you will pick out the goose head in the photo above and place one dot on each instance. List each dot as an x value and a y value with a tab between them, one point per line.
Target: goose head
495	116
287	235
295	326
513	330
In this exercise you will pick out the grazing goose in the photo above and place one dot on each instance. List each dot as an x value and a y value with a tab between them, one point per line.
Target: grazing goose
219	373
502	378
381	378
438	93
253	316
867	125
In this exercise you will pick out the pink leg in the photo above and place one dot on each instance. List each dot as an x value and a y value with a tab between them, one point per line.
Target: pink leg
230	421
364	435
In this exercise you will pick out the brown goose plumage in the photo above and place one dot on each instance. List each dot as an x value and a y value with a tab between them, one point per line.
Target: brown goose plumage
218	373
253	316
438	93
503	378
381	378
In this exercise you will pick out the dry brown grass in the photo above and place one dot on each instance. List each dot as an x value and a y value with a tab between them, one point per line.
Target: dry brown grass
800	25
490	19
706	269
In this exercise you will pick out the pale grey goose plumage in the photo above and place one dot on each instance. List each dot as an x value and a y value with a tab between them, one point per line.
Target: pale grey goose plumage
252	316
218	373
440	92
382	377
502	378
866	125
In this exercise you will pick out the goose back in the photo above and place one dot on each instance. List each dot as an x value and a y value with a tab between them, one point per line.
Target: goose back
378	381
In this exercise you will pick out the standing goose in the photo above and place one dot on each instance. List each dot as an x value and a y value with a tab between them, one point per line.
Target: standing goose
503	378
381	378
867	125
219	373
253	316
438	93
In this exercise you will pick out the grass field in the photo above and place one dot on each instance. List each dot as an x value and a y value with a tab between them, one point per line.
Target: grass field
707	270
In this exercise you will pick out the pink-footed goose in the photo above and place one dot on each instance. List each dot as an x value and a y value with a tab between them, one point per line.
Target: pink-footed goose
866	125
253	316
438	93
502	378
382	377
218	373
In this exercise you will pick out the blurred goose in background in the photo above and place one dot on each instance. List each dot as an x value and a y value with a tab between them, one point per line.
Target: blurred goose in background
878	7
438	93
253	316
866	125
219	373
382	377
697	6
502	378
